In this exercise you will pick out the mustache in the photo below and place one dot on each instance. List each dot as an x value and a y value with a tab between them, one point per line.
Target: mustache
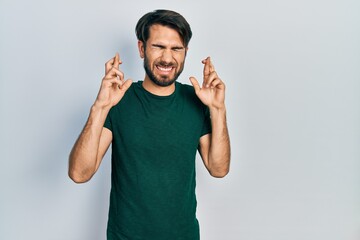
166	64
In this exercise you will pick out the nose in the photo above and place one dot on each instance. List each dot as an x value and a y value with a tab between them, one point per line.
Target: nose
167	56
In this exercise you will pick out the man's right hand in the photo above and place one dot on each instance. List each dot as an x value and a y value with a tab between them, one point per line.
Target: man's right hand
113	86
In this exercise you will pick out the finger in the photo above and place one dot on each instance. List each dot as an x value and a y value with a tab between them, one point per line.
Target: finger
207	71
115	73
206	66
195	84
110	82
109	64
116	61
216	83
210	79
212	68
125	86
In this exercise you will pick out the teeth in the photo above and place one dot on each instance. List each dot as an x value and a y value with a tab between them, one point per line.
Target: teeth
166	69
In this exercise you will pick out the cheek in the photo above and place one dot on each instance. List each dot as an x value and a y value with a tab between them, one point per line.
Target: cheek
180	61
153	57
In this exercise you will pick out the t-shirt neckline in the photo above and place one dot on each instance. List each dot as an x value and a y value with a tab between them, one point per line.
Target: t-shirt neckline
140	83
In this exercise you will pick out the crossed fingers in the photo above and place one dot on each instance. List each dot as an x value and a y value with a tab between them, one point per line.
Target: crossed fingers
112	72
211	79
113	63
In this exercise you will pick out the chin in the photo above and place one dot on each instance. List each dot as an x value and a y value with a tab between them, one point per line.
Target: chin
163	83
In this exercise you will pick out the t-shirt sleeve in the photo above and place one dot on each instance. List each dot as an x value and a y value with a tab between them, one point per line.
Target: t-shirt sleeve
207	122
108	123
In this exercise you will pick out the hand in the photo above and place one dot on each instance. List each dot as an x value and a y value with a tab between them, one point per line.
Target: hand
212	92
113	86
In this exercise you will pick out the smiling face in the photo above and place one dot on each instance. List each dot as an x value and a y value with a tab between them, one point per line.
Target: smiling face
164	55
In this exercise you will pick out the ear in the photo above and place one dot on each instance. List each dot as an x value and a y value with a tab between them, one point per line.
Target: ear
141	49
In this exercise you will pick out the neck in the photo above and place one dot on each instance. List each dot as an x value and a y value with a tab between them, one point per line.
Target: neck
151	87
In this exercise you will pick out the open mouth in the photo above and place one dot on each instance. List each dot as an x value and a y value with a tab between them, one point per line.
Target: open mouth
164	69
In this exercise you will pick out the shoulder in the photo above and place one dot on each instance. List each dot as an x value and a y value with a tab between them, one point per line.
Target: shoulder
130	93
186	89
126	99
188	93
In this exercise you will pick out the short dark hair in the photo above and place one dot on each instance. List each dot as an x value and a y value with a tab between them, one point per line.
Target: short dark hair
166	18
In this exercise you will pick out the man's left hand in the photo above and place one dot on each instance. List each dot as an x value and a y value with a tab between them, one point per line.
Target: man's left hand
212	92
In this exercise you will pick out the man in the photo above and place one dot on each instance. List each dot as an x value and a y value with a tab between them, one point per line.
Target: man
155	127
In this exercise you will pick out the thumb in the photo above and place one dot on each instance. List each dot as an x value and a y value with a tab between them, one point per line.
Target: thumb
195	84
126	85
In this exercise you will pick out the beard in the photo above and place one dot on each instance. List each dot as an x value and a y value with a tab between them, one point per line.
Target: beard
162	81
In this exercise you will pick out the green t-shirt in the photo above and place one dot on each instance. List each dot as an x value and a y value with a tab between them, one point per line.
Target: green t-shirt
155	139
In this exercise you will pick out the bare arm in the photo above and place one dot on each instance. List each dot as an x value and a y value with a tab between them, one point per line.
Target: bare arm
90	147
94	140
214	148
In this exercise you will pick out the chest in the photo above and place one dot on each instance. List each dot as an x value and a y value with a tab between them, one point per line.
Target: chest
142	124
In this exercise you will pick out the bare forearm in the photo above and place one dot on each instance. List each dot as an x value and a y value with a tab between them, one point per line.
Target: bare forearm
219	152
84	155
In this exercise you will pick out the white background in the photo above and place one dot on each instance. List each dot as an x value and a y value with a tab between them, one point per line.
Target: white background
292	70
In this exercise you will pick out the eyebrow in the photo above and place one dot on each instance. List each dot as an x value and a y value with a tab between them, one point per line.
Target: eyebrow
163	46
178	48
158	45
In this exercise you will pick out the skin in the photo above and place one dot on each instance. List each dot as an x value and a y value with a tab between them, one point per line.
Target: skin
163	48
166	68
214	148
165	54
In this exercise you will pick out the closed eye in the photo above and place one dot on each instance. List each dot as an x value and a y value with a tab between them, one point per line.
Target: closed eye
178	49
158	46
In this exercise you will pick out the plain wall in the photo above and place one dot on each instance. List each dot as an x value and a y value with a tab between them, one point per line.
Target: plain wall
292	71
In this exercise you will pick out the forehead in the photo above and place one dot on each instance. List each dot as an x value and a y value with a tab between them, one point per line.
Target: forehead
164	35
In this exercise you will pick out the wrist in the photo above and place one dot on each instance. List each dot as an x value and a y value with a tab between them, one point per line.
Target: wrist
218	109
97	115
99	110
100	106
217	114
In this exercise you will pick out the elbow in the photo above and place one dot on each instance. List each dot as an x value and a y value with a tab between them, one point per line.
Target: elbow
78	178
219	173
221	169
77	172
